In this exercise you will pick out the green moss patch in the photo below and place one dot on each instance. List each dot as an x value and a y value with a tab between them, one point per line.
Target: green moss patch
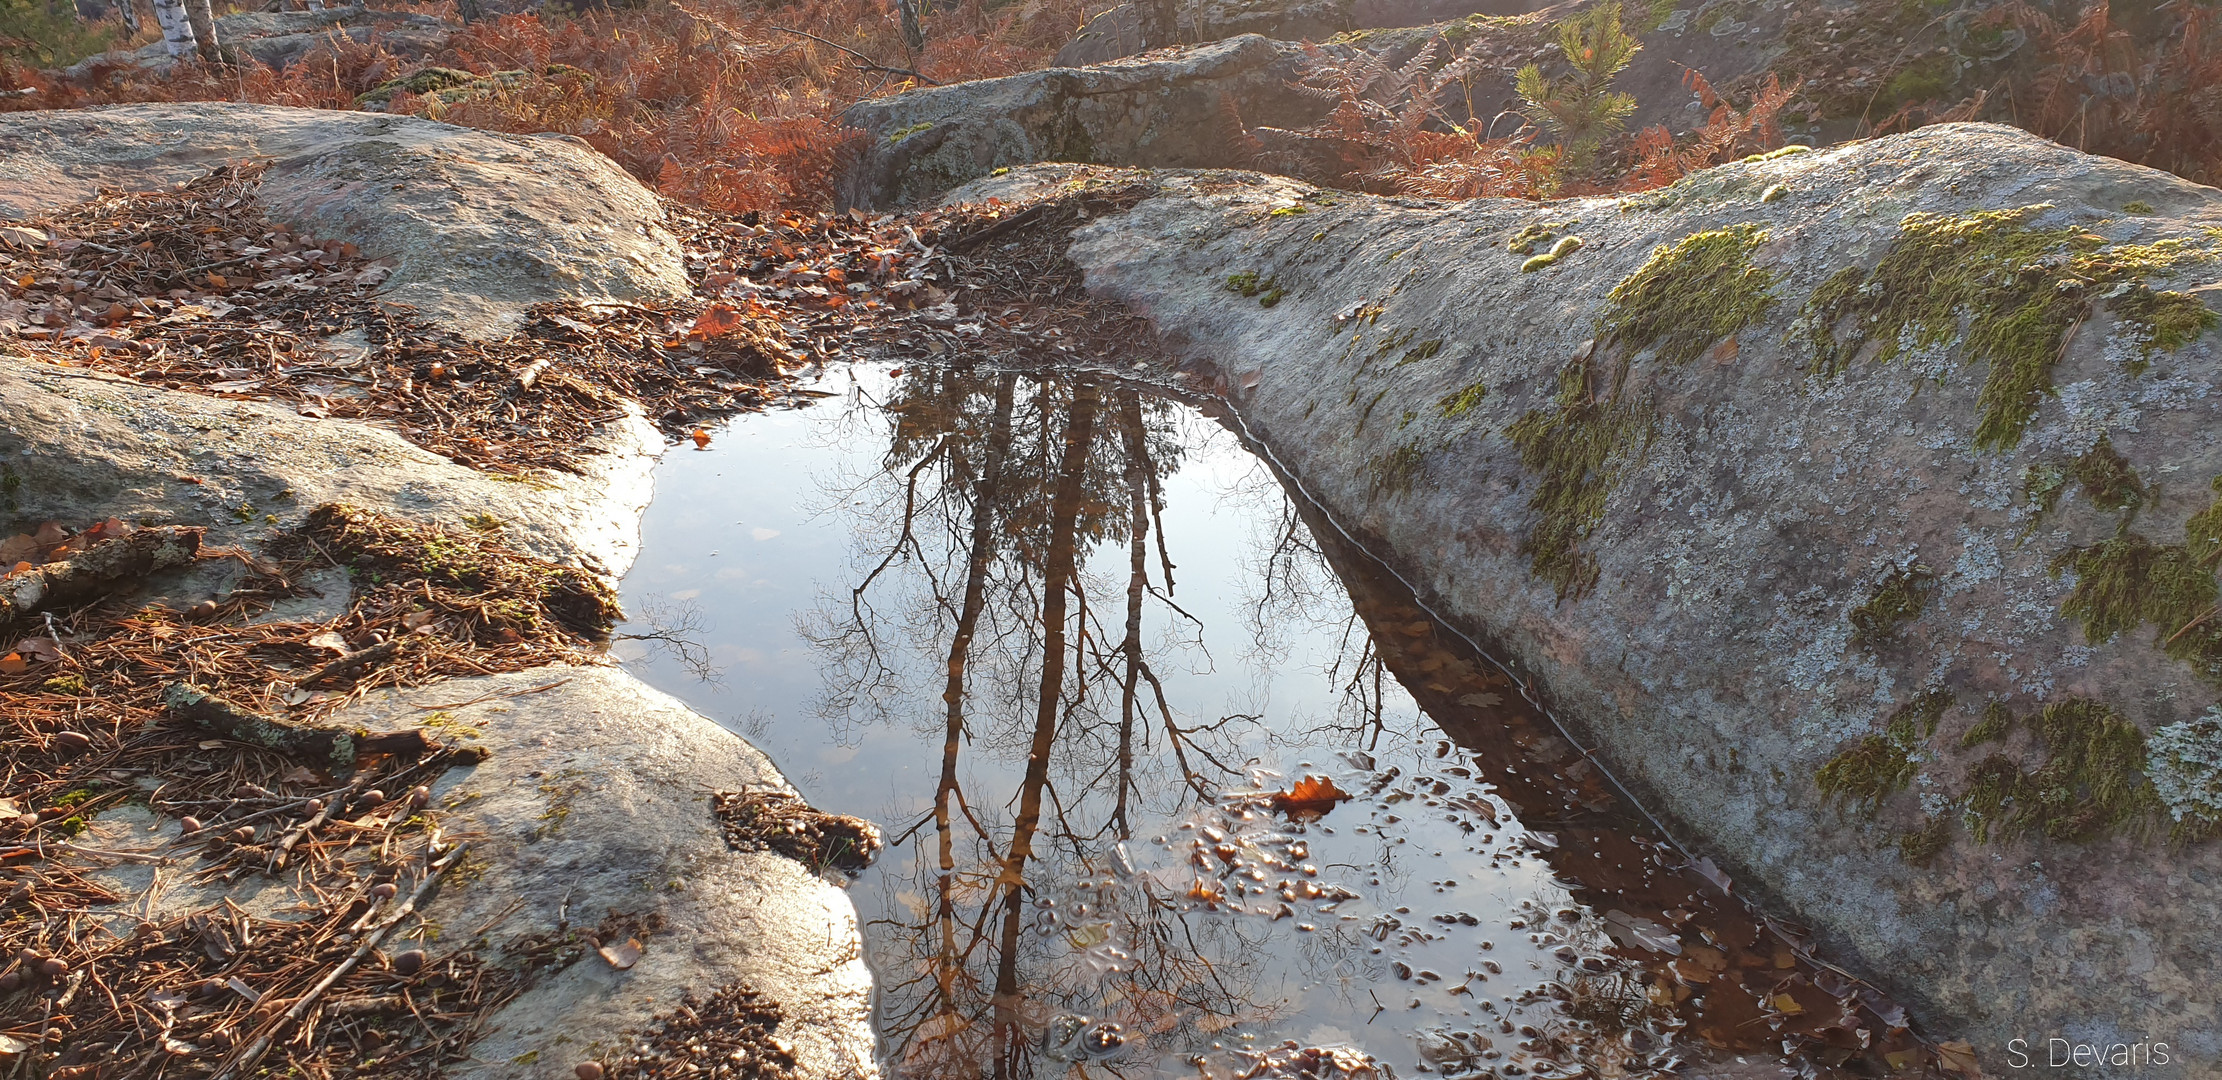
1996	724
1267	292
1397	470
2108	478
1881	765
2090	783
1463	401
1691	293
1920	847
2020	289
1897	601
2128	581
1579	448
2160	322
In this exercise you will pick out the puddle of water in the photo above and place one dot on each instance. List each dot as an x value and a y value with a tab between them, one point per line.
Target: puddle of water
1073	648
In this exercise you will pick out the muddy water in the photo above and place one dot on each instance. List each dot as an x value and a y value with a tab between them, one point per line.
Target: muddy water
1176	781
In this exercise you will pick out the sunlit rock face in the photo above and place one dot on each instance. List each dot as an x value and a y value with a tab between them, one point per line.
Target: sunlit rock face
1164	110
1860	504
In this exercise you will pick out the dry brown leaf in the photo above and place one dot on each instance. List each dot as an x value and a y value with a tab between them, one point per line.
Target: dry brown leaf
44	650
1957	1056
1311	797
715	320
622	957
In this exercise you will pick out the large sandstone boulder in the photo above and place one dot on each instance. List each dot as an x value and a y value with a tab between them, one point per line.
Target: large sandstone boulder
1861	507
83	446
598	798
477	225
1166	110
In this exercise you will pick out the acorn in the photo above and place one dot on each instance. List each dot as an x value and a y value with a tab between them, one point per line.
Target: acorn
419	796
11	982
187	826
314	806
245	834
588	1070
384	890
371	799
72	743
52	968
409	963
208	988
202	611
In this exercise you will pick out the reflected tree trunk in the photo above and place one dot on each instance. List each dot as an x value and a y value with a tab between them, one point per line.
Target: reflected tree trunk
1138	486
1057	580
946	795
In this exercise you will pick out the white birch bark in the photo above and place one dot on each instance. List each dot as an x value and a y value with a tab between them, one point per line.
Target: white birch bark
203	21
177	30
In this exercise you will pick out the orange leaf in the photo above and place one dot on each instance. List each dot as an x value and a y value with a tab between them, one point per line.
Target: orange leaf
714	320
218	281
701	437
14	664
1310	797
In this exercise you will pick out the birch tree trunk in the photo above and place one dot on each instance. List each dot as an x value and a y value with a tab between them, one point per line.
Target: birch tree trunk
177	30
203	22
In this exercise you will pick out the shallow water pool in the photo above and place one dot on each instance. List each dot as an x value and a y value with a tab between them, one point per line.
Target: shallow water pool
1176	781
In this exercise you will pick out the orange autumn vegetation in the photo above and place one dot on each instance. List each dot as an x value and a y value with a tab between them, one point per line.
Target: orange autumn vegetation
701	99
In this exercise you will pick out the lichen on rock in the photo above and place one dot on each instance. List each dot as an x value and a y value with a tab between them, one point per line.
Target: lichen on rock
2185	764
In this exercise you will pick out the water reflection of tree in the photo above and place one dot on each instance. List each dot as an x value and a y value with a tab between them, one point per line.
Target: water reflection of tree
997	490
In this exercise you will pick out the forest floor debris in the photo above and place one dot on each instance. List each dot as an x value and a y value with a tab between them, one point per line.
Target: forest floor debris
191	289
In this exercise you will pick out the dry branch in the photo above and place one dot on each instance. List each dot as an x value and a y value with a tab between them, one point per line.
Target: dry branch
96	569
323	745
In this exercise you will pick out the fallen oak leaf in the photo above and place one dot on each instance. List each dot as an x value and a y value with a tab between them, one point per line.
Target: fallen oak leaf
1310	797
715	320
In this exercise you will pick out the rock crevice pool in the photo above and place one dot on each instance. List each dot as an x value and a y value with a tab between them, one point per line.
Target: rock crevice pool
1174	779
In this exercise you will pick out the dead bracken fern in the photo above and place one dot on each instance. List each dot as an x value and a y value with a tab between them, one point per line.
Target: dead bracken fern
723	104
1728	134
2155	99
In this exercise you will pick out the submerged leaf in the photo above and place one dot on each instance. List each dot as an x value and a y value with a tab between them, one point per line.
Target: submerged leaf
1310	797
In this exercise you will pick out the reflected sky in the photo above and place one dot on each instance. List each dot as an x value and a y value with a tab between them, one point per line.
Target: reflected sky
1065	641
